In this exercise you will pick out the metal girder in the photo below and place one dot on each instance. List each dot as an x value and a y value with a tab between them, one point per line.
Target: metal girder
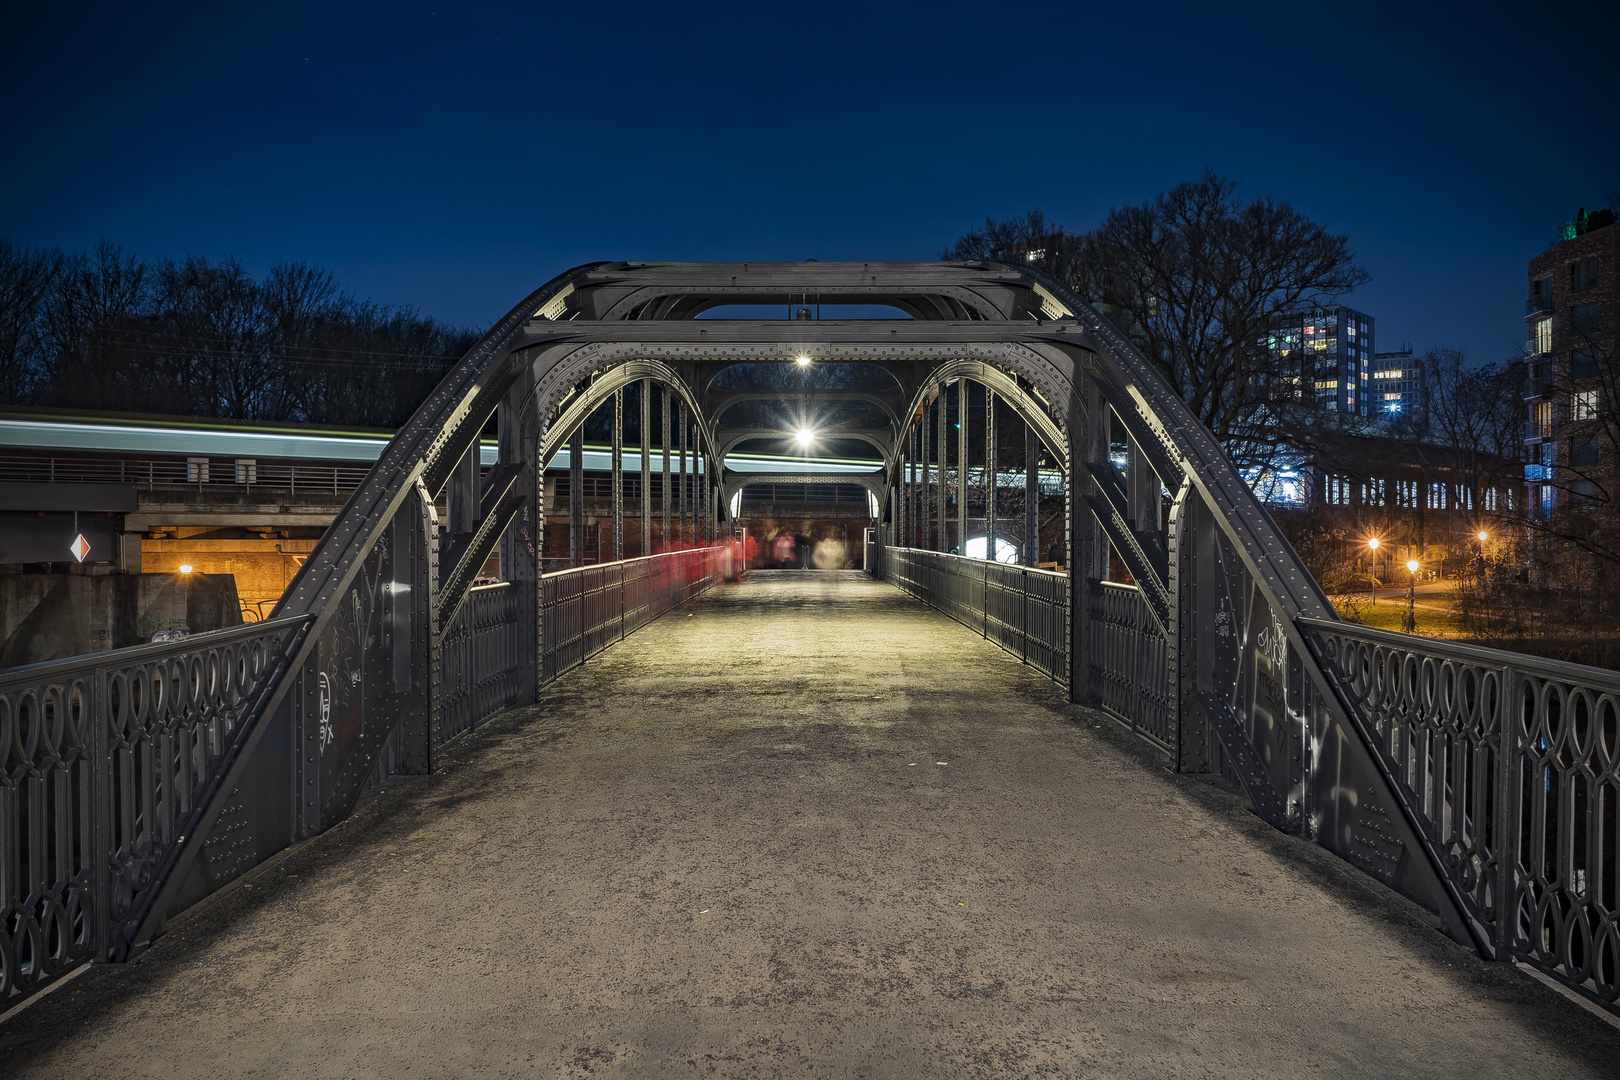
720	401
501	502
584	399
727	439
735	482
630	291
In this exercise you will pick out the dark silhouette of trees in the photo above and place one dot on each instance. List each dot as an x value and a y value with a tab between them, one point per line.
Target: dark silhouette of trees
1197	277
106	330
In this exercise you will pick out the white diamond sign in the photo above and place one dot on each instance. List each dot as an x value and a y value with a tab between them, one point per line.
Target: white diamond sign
80	548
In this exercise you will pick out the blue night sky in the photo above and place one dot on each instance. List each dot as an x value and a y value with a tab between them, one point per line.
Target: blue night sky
456	157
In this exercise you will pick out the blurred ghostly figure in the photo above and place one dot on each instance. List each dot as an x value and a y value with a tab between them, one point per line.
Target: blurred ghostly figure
830	555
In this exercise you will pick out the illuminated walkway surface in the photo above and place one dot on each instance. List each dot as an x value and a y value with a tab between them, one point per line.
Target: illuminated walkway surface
814	829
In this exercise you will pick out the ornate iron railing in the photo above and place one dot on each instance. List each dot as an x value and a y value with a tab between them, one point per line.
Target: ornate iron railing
1023	610
1130	662
482	660
586	609
1510	766
106	762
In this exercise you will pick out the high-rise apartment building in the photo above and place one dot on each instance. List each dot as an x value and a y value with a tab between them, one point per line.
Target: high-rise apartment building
1394	389
1331	349
1573	318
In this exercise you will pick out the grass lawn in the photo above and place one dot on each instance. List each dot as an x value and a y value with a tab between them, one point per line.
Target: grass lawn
1435	617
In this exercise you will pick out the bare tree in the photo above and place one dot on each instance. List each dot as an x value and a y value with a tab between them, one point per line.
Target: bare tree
1197	278
1031	240
93	324
1474	412
200	337
27	278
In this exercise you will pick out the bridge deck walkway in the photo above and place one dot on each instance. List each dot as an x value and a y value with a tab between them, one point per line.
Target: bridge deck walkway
811	828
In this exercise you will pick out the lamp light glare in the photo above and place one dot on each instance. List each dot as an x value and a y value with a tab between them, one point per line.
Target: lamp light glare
805	436
1373	543
185	568
802	361
1412	565
1483	536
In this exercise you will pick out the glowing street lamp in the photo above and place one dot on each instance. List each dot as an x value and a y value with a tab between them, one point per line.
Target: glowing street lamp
185	568
805	437
1483	536
802	361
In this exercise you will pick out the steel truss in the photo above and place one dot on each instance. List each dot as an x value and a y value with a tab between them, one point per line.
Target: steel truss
1482	785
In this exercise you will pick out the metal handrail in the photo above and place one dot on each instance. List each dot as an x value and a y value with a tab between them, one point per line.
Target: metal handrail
1540	666
551	575
129	655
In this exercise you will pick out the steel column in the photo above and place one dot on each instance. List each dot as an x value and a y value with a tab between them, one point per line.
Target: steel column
680	511
618	475
902	491
463	494
646	468
943	452
964	398
1032	496
576	498
663	438
990	486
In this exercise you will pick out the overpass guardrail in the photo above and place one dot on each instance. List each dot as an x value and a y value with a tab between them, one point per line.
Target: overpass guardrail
106	763
1510	764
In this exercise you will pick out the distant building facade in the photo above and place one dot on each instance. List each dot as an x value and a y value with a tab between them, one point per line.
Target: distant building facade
1395	389
1331	347
1573	319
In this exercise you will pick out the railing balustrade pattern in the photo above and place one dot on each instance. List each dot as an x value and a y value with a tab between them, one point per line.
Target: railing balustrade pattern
103	762
1130	661
588	608
482	660
1023	610
1511	766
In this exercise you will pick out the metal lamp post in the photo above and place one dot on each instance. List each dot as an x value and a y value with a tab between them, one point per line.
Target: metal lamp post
1410	626
1372	567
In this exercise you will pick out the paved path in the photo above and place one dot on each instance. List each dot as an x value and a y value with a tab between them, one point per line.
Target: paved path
812	829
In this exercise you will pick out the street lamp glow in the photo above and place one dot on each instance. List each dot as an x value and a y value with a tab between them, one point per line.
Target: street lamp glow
1483	536
185	568
802	361
1373	543
1412	565
805	436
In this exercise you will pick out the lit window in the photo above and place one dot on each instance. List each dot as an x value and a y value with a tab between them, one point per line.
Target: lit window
1542	342
1583	405
1541	419
1392	397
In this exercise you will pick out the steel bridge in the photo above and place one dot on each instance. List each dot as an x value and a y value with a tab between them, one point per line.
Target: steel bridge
1482	785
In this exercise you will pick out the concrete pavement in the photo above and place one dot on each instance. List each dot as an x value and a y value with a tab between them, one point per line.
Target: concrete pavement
810	828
